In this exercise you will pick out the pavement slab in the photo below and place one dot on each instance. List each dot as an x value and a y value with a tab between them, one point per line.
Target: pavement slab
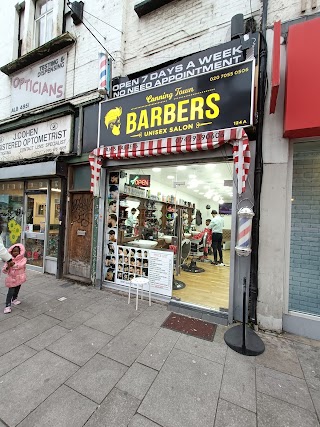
80	345
14	358
210	350
154	315
112	320
115	411
25	332
32	312
65	407
280	355
31	383
137	380
284	387
46	338
68	307
185	392
239	385
230	415
97	377
140	421
159	348
315	395
76	320
310	361
11	322
273	412
129	343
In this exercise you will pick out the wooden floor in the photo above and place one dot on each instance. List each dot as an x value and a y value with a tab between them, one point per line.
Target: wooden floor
209	289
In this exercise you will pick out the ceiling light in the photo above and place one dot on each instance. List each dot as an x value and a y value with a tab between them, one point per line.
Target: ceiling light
170	177
196	191
156	169
209	165
181	168
221	202
193	184
216	198
192	176
201	193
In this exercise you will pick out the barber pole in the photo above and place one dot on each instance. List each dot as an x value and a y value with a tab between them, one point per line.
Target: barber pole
243	247
102	73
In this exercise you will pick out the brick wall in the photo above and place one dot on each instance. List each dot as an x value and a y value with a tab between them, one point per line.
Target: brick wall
304	279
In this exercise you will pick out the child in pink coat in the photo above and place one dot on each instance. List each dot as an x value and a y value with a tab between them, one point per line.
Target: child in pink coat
16	275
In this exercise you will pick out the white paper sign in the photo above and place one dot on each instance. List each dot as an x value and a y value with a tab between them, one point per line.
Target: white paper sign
157	266
52	137
161	272
40	84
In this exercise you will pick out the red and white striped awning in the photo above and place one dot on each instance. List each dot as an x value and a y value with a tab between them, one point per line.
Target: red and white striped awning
237	137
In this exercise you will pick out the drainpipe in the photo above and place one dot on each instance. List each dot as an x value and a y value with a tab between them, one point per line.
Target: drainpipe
253	289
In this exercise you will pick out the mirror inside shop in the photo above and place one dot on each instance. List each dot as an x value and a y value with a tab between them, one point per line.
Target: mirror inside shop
171	210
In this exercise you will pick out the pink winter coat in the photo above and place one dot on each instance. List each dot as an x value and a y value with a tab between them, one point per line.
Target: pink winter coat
16	275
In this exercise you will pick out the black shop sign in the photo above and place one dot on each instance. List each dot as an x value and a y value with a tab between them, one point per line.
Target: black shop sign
209	60
218	100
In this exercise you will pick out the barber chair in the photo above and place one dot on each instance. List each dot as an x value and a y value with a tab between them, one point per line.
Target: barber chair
185	250
196	251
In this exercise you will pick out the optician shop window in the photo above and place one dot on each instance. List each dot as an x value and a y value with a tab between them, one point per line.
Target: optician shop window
11	203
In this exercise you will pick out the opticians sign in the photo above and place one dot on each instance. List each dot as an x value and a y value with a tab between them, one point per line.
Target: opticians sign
39	84
218	100
52	137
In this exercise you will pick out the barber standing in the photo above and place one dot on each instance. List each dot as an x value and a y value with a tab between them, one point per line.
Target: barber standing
216	225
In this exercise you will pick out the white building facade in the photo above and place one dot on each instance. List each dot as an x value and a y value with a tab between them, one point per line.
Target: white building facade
50	75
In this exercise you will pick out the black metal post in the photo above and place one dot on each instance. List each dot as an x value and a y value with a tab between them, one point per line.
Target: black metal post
244	312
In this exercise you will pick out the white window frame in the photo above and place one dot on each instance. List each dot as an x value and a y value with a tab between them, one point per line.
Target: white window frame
44	16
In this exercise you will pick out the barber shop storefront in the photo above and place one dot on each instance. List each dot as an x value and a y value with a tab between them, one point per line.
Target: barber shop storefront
171	158
32	189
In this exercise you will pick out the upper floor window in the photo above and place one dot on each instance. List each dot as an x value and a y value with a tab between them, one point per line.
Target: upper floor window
43	21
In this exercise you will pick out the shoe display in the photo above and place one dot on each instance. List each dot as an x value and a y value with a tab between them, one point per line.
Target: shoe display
16	302
7	310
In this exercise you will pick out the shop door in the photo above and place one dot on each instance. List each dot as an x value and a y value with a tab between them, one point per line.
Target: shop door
35	227
80	234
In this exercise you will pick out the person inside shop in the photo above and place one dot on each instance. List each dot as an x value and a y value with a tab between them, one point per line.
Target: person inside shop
216	226
131	221
208	241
